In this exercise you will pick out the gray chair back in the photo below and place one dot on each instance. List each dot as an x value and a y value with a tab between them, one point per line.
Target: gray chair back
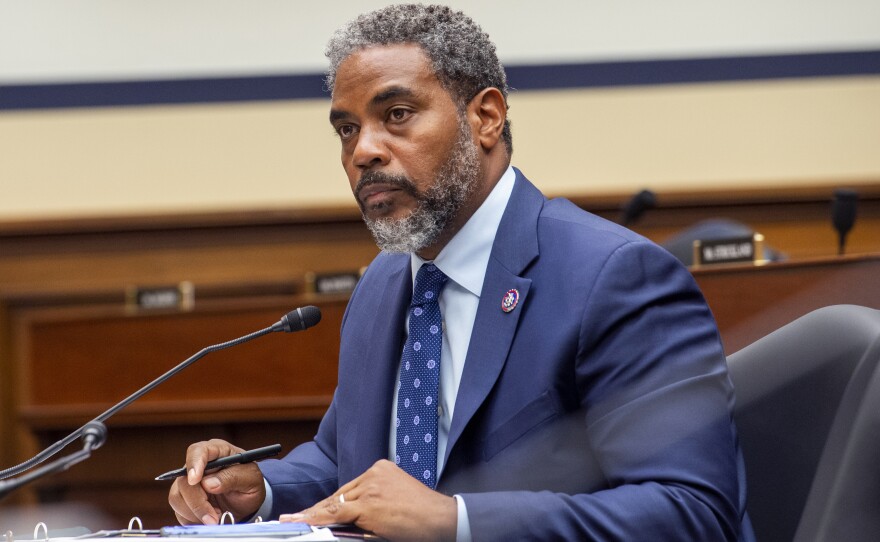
808	419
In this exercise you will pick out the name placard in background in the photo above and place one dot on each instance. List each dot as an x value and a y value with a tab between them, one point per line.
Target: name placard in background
729	250
180	297
333	283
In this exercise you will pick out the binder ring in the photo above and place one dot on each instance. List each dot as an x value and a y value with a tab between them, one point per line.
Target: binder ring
225	515
131	522
258	519
45	531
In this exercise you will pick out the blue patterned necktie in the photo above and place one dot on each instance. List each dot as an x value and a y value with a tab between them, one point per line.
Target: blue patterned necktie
416	420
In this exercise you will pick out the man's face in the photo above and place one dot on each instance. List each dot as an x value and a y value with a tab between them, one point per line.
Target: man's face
408	152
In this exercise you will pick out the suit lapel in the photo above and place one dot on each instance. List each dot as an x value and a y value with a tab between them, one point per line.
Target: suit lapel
378	367
515	247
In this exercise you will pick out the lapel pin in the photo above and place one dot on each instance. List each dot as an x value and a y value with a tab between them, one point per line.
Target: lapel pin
510	299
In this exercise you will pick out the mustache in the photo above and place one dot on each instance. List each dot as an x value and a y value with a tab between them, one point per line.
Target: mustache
377	177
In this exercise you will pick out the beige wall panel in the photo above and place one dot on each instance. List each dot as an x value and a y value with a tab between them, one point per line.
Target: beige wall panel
280	154
700	137
169	159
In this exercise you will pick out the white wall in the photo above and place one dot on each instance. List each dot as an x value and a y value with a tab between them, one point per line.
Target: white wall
85	40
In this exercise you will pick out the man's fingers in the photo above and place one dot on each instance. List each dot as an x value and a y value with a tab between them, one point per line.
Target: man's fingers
351	491
199	497
198	455
183	513
341	507
245	479
327	512
196	504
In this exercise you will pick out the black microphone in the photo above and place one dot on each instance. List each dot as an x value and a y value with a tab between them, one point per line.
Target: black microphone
296	320
637	205
843	214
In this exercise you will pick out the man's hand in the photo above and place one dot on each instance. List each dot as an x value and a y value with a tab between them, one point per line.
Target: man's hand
201	497
389	502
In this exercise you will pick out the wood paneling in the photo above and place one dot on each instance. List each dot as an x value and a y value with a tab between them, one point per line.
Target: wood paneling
69	349
750	302
74	362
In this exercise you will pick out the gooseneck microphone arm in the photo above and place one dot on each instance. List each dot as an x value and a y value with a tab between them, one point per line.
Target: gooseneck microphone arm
296	320
94	434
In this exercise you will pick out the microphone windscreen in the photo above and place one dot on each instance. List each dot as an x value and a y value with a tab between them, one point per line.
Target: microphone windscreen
843	209
301	318
637	205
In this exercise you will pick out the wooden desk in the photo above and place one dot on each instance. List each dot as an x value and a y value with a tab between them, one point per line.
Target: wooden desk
750	302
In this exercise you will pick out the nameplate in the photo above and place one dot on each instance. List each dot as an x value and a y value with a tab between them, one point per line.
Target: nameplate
180	297
729	250
332	283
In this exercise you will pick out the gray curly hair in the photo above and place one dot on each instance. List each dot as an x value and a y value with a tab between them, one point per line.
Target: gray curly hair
462	55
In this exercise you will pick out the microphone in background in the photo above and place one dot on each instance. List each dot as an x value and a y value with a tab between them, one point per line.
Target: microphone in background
296	320
843	214
636	207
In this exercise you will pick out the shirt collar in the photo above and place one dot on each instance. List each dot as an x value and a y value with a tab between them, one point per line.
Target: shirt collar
465	258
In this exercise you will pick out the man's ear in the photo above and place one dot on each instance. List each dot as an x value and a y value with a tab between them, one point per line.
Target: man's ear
488	110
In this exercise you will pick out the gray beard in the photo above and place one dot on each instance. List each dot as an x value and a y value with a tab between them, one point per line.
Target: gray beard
438	205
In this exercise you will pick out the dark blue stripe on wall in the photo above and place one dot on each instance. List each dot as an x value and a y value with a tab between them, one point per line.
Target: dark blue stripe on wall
693	70
543	77
171	91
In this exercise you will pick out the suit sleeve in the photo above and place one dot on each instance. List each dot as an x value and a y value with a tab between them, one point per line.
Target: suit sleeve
652	379
307	474
310	472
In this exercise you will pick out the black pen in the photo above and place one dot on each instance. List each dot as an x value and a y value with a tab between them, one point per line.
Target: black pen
237	459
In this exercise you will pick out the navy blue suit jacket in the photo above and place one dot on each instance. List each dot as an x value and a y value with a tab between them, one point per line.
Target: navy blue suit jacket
598	409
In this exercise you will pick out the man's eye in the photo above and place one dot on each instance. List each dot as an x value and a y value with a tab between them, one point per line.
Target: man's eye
345	131
398	114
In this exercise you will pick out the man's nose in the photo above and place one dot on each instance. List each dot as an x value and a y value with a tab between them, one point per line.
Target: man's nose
371	149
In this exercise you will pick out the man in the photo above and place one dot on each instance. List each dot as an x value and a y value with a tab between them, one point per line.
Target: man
581	391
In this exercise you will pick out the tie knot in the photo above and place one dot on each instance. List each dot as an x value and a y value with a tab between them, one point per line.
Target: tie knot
429	282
